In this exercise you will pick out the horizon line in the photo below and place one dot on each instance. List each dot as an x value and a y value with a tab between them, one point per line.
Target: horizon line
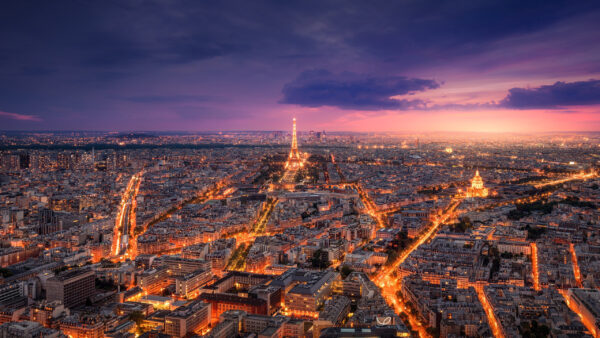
303	131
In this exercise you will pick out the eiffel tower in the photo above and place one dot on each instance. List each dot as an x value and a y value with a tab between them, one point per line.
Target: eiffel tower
294	161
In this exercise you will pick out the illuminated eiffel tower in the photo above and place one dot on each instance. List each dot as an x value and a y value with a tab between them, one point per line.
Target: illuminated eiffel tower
294	160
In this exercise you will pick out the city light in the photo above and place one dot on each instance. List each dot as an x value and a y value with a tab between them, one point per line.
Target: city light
298	169
534	266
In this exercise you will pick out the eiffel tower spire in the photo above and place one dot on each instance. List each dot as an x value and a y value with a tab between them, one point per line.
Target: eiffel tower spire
294	160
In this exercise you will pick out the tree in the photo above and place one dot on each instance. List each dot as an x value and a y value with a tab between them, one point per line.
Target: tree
534	233
4	272
495	266
534	330
346	270
433	331
320	260
138	318
106	263
463	225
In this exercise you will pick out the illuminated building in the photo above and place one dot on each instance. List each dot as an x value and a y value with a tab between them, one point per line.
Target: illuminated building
84	327
238	323
188	319
218	259
155	321
376	331
186	285
273	295
352	286
294	160
222	302
160	302
237	278
14	255
154	280
182	266
45	312
305	298
11	315
230	324
335	310
477	189
127	308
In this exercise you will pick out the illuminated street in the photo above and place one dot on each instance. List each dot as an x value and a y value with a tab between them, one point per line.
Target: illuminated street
370	206
390	285
534	266
489	311
579	176
589	325
125	220
576	270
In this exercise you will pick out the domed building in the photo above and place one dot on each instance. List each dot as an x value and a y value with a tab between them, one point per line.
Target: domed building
477	189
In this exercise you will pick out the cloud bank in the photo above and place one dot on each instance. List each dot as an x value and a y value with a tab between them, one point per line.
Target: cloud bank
19	117
317	88
554	96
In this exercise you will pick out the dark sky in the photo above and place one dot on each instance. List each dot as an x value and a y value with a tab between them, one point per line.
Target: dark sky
335	65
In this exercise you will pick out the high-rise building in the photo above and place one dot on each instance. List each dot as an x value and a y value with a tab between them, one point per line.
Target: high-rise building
72	287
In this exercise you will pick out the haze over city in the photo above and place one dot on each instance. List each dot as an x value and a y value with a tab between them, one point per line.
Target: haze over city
478	66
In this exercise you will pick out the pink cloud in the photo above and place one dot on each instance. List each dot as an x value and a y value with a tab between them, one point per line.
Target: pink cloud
20	117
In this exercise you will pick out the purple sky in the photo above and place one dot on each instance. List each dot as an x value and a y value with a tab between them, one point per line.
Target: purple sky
335	65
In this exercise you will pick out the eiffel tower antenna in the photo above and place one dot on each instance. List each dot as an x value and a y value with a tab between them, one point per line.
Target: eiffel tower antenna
294	161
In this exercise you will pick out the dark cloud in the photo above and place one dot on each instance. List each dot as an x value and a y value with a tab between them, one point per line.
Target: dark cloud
557	95
111	49
75	55
318	88
423	33
126	33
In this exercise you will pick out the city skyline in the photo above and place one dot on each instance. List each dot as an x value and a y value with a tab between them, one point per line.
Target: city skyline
491	66
331	235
